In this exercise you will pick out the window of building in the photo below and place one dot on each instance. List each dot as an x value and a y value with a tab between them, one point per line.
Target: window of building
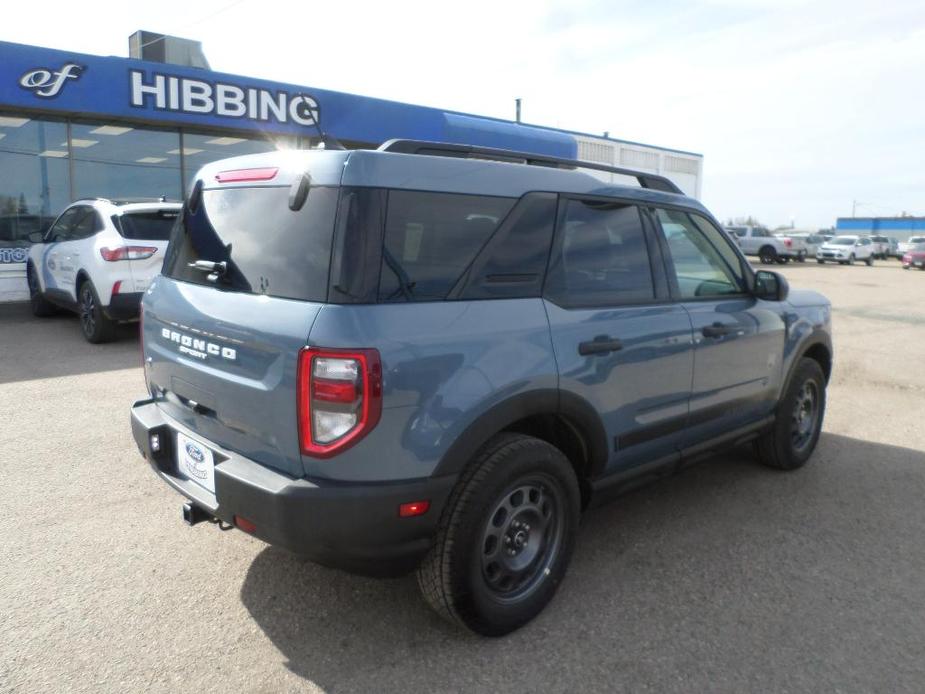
431	238
121	162
34	185
600	257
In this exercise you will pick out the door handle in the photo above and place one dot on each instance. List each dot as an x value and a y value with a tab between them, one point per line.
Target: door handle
716	330
602	344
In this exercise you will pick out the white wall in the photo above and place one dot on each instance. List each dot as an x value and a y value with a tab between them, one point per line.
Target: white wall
685	170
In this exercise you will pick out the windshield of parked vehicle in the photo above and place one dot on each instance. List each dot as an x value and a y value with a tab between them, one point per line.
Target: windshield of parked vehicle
149	225
843	241
917	239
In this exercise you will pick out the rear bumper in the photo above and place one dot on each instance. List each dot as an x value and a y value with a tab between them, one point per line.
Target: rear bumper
124	306
355	527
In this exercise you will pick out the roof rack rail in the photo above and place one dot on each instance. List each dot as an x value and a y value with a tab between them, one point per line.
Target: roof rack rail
447	149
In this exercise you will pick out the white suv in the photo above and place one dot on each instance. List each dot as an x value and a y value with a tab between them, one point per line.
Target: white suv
846	249
97	259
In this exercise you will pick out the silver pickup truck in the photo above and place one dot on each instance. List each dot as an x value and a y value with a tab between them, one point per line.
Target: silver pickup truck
768	247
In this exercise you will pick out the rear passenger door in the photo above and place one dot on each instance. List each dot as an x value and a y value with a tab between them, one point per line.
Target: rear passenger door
738	339
619	343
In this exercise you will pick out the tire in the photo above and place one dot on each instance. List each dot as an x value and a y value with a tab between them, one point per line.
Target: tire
797	426
851	259
41	307
94	324
801	258
767	255
489	570
870	261
821	262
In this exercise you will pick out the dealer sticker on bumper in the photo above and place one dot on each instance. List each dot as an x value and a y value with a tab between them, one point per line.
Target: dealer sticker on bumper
195	462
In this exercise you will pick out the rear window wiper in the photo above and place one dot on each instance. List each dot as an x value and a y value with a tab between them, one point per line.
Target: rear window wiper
216	270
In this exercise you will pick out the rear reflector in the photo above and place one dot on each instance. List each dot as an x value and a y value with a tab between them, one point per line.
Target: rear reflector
244	524
413	508
242	175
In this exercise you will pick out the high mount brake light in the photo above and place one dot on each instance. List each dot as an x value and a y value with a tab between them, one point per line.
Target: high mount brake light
127	253
339	398
243	175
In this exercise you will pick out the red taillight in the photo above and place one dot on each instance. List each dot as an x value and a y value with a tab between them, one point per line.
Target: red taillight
127	253
414	508
339	398
242	175
788	243
116	286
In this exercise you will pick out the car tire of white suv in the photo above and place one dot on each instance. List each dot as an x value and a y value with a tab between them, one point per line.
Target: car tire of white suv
40	306
96	326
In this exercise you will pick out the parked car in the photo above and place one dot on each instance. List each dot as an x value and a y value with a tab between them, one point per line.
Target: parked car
914	257
880	246
894	248
810	241
762	243
431	357
794	246
846	249
97	259
906	246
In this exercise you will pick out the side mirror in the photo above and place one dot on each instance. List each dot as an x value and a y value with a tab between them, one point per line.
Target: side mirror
771	286
36	236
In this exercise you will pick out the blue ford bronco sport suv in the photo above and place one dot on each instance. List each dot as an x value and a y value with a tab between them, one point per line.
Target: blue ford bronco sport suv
434	357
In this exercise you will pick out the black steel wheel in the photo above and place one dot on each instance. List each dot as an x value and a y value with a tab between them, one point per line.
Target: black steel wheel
94	324
798	421
522	537
505	537
40	306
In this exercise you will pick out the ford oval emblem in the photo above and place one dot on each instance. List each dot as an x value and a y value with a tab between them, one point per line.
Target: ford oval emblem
195	452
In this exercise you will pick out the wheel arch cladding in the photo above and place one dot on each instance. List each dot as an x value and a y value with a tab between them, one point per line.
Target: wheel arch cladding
819	352
562	419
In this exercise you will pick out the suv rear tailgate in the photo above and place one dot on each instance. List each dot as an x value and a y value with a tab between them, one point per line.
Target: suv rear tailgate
224	365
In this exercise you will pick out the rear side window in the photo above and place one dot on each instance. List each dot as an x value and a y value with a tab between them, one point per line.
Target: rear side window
600	257
268	248
512	264
154	225
430	240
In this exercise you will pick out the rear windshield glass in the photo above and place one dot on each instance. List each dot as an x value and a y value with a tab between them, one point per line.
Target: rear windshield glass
266	247
154	225
843	241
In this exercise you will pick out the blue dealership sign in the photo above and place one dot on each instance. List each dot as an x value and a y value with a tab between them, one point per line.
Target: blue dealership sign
108	87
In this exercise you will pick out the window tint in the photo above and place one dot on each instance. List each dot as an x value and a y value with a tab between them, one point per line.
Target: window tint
117	161
512	264
86	223
268	248
699	268
600	256
431	238
721	243
61	229
154	225
35	185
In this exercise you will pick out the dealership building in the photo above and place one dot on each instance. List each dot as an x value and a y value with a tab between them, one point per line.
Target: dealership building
77	126
900	228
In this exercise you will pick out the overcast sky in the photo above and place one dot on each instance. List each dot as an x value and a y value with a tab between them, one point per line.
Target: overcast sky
799	108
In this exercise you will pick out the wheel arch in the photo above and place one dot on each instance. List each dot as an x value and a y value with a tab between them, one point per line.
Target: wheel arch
562	419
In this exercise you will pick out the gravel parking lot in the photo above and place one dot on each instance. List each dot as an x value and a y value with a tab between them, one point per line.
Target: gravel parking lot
727	577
